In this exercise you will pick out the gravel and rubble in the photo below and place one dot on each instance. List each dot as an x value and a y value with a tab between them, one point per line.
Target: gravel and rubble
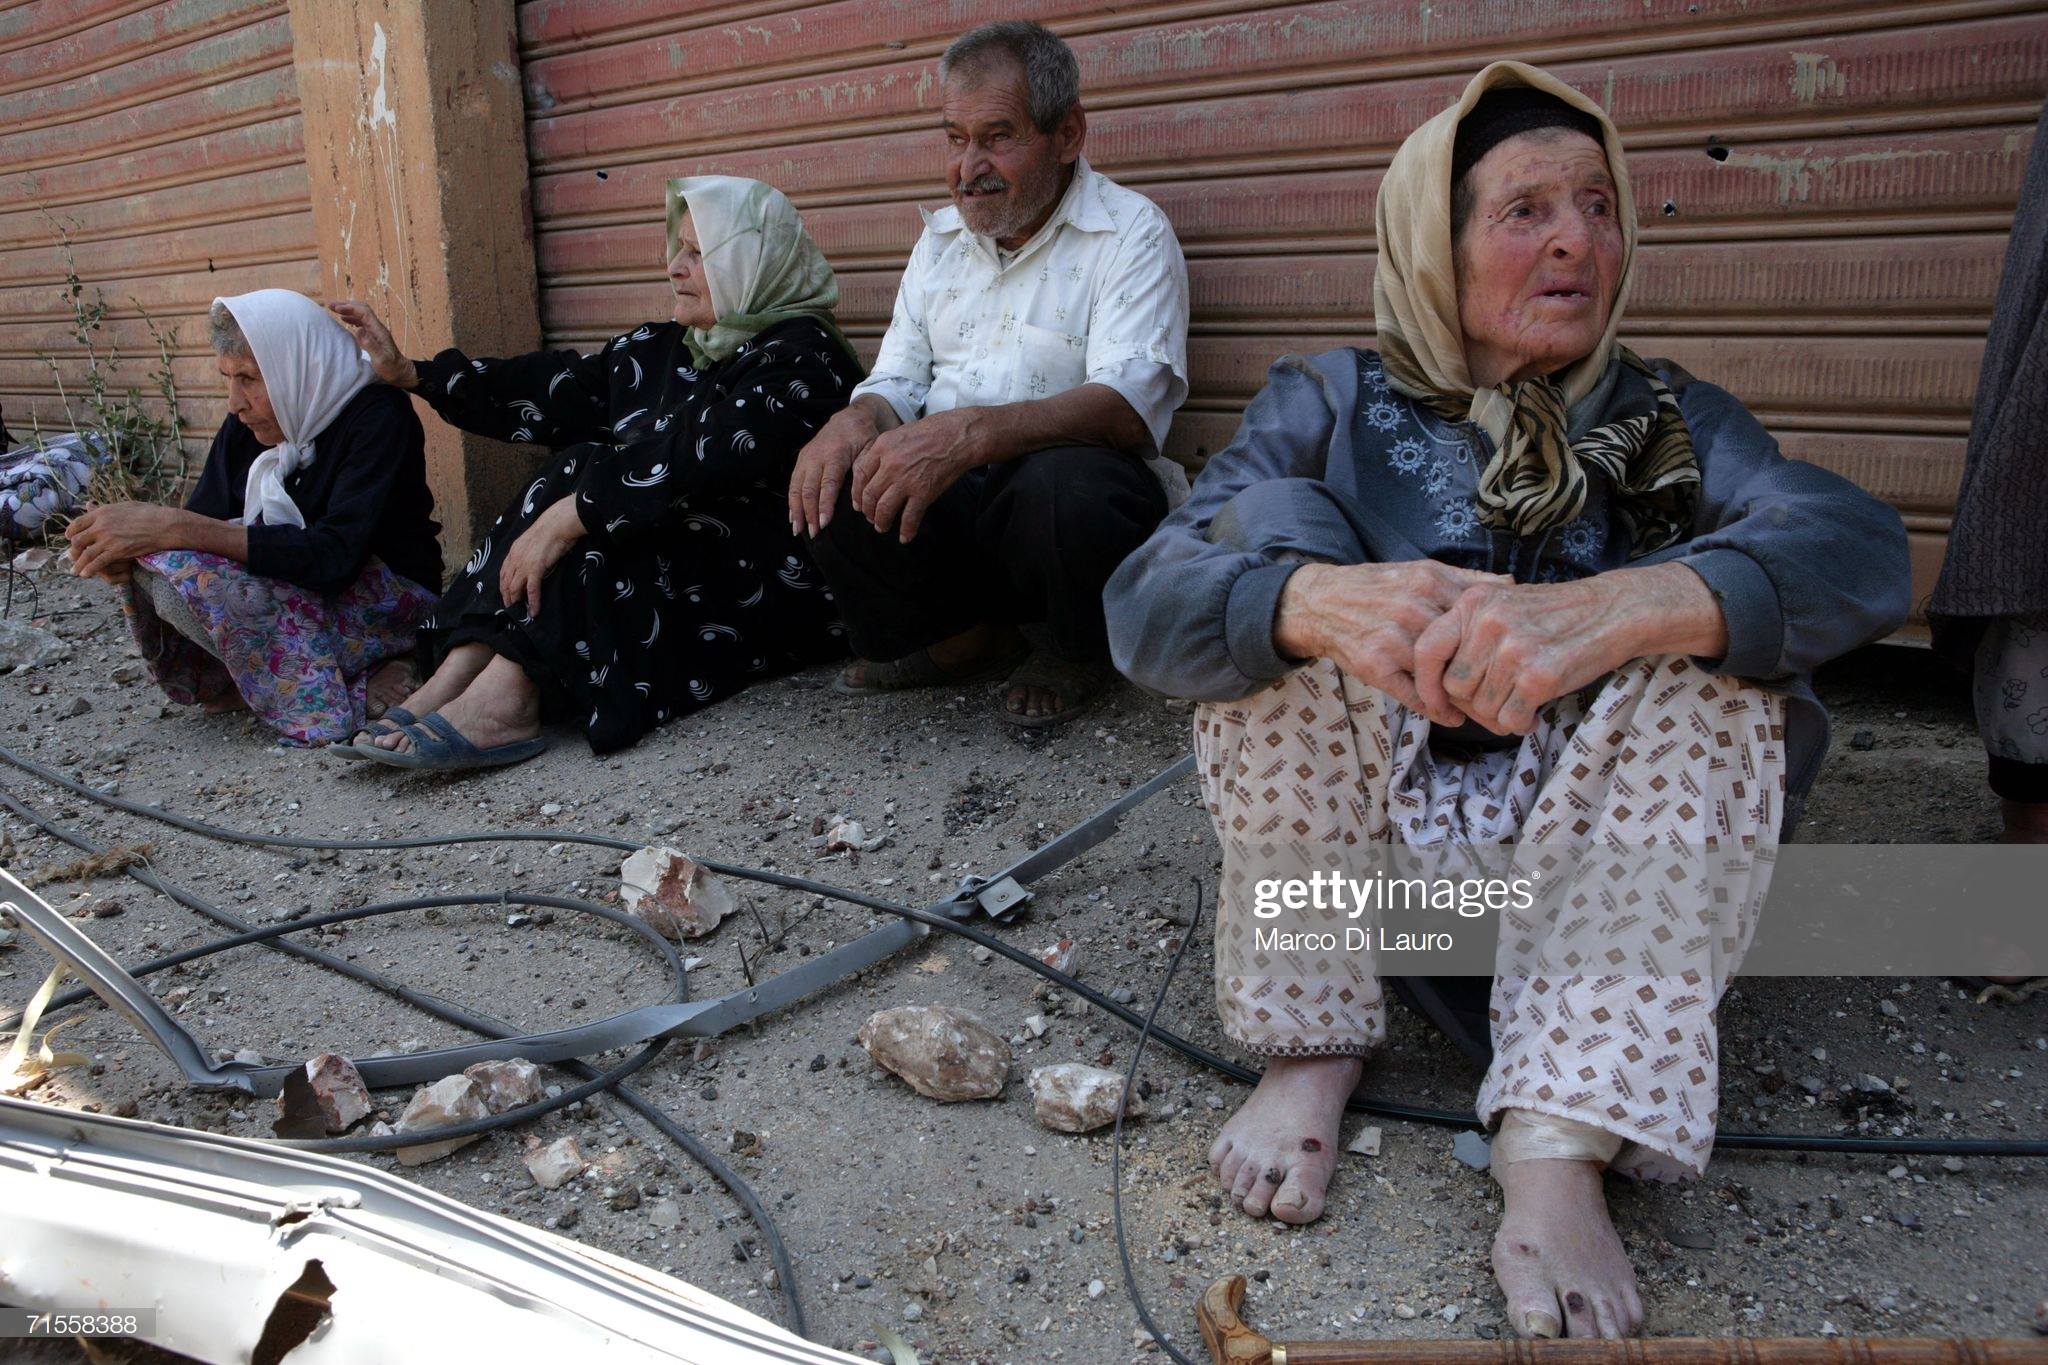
970	1228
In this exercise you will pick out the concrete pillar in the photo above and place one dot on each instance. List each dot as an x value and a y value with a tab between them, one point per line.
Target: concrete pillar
415	133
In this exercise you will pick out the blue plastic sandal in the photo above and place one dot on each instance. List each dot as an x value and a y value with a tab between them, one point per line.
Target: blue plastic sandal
394	719
439	747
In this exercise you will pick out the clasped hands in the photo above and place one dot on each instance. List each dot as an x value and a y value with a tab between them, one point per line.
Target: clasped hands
1455	644
896	474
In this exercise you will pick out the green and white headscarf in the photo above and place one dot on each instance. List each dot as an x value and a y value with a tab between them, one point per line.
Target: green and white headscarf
761	266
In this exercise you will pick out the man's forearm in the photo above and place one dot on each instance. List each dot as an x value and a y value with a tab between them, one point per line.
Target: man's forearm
1091	415
195	531
878	410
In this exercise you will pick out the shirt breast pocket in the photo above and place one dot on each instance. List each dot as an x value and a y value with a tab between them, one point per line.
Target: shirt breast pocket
1050	362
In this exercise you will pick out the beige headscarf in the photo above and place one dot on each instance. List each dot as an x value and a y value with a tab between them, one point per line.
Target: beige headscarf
1536	479
760	265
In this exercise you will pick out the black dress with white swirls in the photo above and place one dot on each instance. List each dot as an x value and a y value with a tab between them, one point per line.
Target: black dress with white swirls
689	585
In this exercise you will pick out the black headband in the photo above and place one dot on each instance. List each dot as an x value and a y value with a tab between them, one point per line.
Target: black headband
1508	110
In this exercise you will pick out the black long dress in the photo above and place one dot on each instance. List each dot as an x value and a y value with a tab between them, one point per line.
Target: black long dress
689	585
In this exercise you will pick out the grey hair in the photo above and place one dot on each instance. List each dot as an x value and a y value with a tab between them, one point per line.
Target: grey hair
224	331
1052	77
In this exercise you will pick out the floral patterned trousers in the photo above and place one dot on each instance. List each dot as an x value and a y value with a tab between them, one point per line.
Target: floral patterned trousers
300	659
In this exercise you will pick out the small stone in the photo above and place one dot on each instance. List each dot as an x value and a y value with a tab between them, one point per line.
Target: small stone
863	1282
1873	1085
1812	1085
665	1215
1064	956
1077	1234
945	1053
1367	1143
912	1312
1952	1164
1897	1173
337	1090
1096	1288
507	1084
1863	740
450	1100
846	834
1123	995
1073	1097
818	1062
1449	1312
1404	1312
624	1198
745	1143
107	907
1036	1026
78	707
556	1164
1888	1008
673	895
125	1107
551	809
1472	1149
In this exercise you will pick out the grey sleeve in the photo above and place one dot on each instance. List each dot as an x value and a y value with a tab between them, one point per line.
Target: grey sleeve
1805	564
1191	611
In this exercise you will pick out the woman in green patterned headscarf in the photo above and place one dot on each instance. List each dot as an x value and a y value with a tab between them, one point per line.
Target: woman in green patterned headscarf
648	568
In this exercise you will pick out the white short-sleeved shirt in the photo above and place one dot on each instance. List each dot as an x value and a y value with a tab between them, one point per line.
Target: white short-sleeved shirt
1098	295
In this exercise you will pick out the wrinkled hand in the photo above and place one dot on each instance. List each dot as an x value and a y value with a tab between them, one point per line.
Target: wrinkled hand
1368	618
903	472
1503	650
375	338
822	466
107	540
539	548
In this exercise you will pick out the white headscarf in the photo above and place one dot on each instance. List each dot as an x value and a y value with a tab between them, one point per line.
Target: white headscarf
311	368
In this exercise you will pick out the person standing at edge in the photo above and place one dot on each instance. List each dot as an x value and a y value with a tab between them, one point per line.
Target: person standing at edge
1004	454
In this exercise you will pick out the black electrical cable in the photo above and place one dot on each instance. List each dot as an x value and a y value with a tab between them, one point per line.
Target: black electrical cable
1384	1109
1116	1140
734	1184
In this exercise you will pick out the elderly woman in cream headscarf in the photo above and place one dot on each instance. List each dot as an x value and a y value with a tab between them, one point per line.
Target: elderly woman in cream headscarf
648	570
293	580
1502	584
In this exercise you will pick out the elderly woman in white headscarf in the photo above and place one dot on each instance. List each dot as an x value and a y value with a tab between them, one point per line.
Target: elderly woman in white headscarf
295	577
650	569
1502	585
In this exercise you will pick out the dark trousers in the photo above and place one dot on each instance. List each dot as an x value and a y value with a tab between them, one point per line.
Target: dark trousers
1030	541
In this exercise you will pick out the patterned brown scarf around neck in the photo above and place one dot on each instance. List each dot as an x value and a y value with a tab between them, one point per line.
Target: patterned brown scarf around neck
1537	478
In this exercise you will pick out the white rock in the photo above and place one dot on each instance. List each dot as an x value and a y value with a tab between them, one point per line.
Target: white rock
1095	1288
1064	956
556	1164
506	1085
851	834
674	895
1036	1026
450	1100
339	1088
943	1052
33	558
1367	1143
1073	1097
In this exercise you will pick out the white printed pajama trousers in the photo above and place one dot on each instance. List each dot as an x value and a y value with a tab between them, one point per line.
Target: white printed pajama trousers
1657	755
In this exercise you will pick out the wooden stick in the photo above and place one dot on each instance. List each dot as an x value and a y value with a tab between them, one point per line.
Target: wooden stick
1232	1342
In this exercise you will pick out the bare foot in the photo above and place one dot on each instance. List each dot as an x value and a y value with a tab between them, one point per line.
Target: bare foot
961	657
392	682
501	707
1557	1256
1049	686
1277	1152
2026	822
455	674
227	705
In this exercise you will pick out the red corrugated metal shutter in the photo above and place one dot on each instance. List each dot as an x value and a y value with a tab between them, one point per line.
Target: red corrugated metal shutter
1825	186
165	138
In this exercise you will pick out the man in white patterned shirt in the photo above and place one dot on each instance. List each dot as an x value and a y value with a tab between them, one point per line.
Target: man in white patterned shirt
1005	453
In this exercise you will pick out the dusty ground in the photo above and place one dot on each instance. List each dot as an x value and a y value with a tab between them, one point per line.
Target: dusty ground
969	1227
